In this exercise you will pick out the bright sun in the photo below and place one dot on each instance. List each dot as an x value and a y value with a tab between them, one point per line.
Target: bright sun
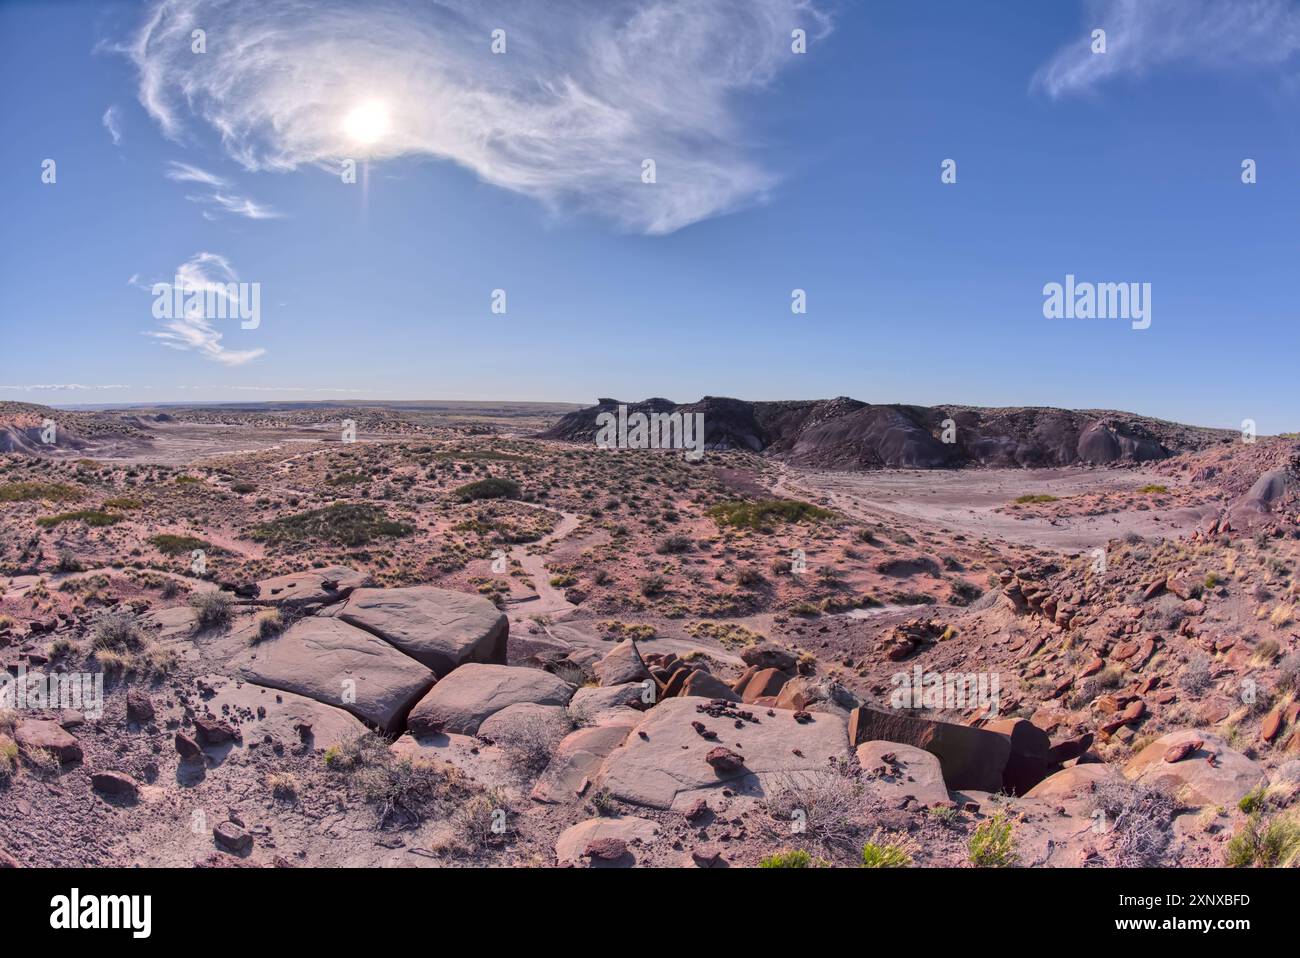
367	122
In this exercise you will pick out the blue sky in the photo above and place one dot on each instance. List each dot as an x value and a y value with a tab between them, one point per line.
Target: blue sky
521	171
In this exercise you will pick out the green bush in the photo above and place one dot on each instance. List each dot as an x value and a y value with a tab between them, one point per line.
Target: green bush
33	491
1264	845
91	517
487	489
756	515
788	859
344	523
993	845
888	855
178	545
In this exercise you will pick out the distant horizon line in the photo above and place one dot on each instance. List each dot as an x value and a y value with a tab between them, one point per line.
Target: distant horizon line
573	406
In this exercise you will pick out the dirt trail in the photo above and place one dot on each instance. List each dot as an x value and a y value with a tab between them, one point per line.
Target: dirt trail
532	559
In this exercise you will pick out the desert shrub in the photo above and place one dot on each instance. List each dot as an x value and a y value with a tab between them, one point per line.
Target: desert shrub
1288	673
68	561
652	585
879	853
475	822
1153	489
269	624
343	523
116	632
283	785
211	609
731	635
122	503
494	488
1030	497
749	577
529	745
993	844
1263	844
756	515
91	517
38	491
796	858
1254	800
174	545
964	593
674	545
8	758
243	487
1166	613
833	807
1141	818
1196	675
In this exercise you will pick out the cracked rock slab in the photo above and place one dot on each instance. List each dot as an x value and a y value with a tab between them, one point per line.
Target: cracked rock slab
663	764
340	665
438	628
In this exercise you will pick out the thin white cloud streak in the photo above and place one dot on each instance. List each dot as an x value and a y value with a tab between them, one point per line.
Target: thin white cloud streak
1144	35
192	332
110	123
586	91
220	197
60	387
185	173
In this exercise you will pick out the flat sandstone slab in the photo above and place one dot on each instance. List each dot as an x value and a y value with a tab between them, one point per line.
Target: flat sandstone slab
462	701
663	763
437	627
257	711
340	665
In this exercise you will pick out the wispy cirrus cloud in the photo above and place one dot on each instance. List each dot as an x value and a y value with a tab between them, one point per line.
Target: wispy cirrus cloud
111	124
586	90
192	331
221	199
185	173
1144	35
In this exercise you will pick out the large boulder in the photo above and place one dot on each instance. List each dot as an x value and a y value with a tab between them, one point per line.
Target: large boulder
578	843
311	589
970	757
437	627
594	706
256	712
1211	773
461	702
1069	782
1029	759
664	763
702	684
622	665
576	761
894	770
769	655
335	663
49	736
763	683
